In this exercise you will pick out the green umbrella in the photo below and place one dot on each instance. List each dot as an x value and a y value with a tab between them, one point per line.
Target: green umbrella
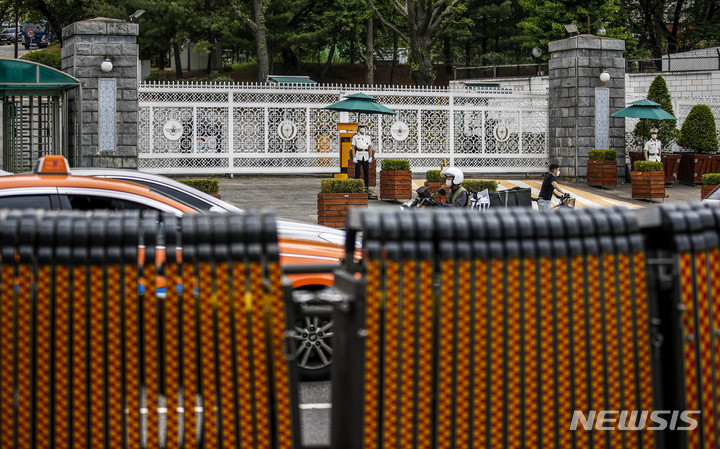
360	103
644	109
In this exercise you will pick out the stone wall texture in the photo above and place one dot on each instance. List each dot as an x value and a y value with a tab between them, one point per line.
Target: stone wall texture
85	46
574	72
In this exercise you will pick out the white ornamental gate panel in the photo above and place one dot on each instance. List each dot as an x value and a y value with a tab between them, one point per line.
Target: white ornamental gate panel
249	129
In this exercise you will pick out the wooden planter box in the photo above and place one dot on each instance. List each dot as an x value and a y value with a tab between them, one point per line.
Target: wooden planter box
372	176
333	207
602	173
434	187
671	164
705	191
395	185
693	166
648	184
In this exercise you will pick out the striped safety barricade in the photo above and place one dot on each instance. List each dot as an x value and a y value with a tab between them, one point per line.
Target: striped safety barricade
689	290
497	330
143	330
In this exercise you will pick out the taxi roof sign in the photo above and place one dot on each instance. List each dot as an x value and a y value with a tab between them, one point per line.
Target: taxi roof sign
53	165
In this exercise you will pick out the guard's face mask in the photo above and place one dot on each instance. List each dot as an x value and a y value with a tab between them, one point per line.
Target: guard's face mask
654	136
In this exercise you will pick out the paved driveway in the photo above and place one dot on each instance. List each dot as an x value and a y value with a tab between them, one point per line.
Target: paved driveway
295	197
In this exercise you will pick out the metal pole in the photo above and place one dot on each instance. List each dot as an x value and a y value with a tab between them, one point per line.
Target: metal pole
17	20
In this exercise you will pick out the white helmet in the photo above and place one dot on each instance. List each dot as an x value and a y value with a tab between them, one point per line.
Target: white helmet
456	173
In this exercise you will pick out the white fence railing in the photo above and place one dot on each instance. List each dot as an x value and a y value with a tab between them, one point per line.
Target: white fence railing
258	128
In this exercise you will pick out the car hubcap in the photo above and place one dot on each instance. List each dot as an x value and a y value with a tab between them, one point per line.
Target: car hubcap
313	335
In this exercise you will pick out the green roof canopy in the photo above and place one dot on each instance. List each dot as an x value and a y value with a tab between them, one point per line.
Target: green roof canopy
19	77
287	79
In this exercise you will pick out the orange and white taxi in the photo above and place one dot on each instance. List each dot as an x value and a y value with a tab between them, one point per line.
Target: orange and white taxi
53	187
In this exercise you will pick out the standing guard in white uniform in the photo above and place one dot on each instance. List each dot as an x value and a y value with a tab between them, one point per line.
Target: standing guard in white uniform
653	147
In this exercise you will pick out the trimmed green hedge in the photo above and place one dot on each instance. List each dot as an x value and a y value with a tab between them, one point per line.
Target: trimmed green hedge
332	185
210	186
49	56
434	176
478	185
648	166
395	164
711	179
602	155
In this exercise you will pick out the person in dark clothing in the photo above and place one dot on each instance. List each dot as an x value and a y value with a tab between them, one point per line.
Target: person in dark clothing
458	196
549	186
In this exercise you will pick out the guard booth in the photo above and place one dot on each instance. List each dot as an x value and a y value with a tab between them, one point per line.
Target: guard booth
35	120
346	131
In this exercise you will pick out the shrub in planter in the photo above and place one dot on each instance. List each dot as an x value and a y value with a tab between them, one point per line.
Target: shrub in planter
648	180
710	181
434	180
698	132
602	168
336	197
395	165
478	185
434	176
395	179
698	135
211	186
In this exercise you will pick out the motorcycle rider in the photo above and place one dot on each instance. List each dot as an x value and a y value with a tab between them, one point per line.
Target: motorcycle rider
458	196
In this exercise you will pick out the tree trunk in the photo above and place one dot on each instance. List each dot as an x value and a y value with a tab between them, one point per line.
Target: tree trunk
447	47
161	59
394	59
261	41
290	61
331	55
422	72
370	50
178	63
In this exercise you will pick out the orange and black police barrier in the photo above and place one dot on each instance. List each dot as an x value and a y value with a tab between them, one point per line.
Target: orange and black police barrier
512	329
96	352
523	320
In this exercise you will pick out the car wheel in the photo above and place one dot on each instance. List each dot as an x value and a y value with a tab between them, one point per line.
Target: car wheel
313	333
314	354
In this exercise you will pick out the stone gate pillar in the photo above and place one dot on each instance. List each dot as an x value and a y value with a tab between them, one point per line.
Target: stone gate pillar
104	113
575	67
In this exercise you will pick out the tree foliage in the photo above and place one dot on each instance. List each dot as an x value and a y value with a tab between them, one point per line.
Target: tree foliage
456	32
667	129
698	132
544	21
421	27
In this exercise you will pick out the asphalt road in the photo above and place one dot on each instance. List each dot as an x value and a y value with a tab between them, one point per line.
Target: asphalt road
295	197
8	51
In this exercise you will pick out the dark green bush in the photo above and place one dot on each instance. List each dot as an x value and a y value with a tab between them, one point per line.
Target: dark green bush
602	155
698	132
434	176
711	179
395	164
667	129
333	185
648	166
478	185
159	76
49	56
208	185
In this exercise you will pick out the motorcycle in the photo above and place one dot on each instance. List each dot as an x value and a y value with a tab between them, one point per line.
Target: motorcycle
423	199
